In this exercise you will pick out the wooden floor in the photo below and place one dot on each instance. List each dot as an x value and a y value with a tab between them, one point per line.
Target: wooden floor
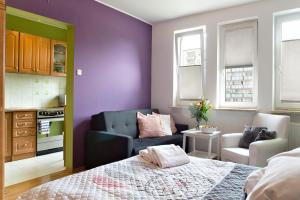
12	192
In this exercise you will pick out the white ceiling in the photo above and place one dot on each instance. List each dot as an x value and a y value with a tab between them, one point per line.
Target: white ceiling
153	11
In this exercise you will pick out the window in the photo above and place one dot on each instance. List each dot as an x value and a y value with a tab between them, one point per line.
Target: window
287	61
189	76
237	73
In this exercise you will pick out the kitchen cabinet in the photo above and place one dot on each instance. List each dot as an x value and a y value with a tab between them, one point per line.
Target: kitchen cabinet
58	58
8	136
23	134
43	53
34	54
27	53
12	51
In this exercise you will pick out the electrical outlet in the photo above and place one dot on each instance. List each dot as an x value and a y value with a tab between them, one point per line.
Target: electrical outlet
79	72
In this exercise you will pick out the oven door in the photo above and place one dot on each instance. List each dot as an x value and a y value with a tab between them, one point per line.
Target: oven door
50	135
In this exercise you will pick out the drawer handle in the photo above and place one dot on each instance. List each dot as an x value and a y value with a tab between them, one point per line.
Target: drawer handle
24	123
24	115
24	145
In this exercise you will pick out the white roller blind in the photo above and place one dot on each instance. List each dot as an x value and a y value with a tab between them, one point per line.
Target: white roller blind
239	44
190	82
290	71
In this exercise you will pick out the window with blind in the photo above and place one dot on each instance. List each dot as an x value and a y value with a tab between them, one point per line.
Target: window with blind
238	64
189	53
287	61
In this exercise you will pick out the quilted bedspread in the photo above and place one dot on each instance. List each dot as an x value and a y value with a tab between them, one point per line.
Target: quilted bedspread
136	179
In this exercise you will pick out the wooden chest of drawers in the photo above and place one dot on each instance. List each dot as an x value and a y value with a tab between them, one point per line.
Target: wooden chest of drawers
23	134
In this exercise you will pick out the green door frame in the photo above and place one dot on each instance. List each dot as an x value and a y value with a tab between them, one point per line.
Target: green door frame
40	25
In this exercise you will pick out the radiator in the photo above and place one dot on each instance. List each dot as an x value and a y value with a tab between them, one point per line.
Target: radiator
294	135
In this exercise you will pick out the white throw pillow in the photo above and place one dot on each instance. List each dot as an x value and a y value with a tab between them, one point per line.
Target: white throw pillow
281	180
292	153
165	122
253	179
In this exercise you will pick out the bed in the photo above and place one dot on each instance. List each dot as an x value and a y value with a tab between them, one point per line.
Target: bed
134	178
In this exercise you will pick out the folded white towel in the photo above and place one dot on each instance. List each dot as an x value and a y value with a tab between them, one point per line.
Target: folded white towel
165	156
147	155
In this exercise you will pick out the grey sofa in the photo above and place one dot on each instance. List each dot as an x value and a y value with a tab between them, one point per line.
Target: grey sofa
115	136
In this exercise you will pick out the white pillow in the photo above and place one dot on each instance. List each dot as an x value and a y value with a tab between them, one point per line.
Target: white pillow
253	179
281	180
166	123
293	153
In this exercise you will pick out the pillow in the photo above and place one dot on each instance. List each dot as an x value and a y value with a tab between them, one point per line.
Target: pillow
165	122
246	138
280	181
253	179
173	127
172	123
149	126
249	135
292	153
265	135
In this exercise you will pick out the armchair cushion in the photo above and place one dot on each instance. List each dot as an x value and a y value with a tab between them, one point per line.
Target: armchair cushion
265	135
239	155
249	136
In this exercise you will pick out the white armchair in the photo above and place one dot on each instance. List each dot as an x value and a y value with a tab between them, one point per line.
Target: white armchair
259	151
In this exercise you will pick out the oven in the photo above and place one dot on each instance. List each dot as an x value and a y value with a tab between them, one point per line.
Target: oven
50	130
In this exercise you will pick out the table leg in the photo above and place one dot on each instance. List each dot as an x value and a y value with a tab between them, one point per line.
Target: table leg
194	143
184	143
209	148
218	147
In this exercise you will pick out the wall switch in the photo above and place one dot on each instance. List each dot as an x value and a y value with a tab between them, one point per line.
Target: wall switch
79	72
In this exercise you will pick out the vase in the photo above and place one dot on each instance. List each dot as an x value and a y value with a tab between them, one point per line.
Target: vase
198	123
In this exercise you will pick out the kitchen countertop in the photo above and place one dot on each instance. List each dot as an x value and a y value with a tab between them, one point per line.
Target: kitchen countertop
19	109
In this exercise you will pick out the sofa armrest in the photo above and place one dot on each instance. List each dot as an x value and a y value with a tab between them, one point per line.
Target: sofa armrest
103	147
262	150
181	127
230	140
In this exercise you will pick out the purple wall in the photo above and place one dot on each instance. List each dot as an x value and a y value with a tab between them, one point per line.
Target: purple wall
114	52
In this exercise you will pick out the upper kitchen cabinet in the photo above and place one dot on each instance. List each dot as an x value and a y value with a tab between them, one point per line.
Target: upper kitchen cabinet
31	54
12	51
43	53
27	55
58	58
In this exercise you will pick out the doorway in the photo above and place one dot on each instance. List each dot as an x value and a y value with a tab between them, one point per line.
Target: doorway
51	134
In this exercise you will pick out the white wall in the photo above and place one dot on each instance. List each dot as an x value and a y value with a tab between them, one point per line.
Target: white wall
162	60
33	91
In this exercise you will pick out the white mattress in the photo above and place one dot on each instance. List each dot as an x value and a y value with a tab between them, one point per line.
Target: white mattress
135	178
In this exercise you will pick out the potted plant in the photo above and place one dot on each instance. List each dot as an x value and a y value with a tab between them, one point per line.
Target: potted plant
199	111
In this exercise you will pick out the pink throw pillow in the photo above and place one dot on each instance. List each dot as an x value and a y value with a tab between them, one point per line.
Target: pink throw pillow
149	126
172	122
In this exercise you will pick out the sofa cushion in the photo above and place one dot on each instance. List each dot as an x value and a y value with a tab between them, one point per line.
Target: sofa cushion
121	122
143	143
237	155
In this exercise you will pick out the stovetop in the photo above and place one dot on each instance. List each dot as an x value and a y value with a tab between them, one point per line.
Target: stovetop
50	112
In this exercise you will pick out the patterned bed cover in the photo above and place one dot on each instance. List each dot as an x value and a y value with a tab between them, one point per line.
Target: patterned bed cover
136	179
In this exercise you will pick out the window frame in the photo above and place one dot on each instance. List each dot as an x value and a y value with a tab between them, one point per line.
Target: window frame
278	19
177	101
235	25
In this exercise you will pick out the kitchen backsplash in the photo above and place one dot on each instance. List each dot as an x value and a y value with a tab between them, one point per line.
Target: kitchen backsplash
33	91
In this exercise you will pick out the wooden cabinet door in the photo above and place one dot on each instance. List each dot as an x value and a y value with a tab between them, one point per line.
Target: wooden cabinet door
58	58
43	53
27	53
12	51
8	136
